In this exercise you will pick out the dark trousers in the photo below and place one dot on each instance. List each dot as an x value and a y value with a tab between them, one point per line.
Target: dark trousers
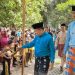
14	59
27	57
41	65
3	63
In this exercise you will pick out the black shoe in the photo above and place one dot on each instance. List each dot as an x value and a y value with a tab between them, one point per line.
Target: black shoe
61	69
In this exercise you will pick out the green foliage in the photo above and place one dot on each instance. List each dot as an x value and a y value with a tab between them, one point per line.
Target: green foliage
52	12
8	12
33	8
64	6
65	10
11	12
58	11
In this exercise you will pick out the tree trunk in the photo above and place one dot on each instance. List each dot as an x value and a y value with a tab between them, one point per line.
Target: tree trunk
50	6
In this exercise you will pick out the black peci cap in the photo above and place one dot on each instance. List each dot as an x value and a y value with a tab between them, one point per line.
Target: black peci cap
73	7
63	24
37	25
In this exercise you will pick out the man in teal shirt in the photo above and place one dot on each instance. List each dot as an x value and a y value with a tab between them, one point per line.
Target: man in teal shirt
44	49
70	46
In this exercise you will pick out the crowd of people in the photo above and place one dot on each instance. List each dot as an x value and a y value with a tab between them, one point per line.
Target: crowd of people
11	38
41	43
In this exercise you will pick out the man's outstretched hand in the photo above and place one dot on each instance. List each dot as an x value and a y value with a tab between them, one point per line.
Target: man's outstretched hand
19	48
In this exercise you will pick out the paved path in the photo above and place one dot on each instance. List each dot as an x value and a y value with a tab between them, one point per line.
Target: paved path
30	69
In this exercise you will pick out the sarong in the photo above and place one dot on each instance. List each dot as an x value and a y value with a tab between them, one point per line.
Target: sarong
41	65
60	49
70	63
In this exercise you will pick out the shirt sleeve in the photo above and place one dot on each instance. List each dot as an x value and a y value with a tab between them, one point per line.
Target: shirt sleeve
29	45
67	41
52	50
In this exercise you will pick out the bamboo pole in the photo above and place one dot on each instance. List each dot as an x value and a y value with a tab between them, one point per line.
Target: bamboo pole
23	26
6	68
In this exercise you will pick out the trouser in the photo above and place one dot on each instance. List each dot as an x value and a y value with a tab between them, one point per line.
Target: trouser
4	69
27	57
14	59
41	65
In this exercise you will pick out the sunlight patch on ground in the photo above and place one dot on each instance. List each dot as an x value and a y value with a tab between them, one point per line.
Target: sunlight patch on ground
57	61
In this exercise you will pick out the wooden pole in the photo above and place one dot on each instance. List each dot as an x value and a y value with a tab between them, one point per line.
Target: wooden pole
6	68
23	26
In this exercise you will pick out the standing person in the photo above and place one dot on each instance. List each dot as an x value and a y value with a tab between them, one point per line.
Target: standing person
60	41
13	35
70	46
3	43
0	35
48	30
54	36
44	49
